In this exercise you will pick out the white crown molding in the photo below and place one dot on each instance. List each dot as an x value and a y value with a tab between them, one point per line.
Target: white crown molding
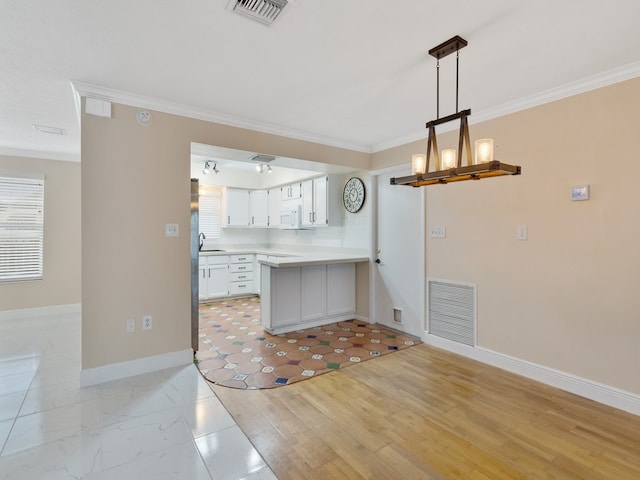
604	79
594	82
605	394
16	152
131	99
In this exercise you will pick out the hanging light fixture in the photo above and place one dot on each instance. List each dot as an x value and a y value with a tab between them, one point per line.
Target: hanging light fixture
449	168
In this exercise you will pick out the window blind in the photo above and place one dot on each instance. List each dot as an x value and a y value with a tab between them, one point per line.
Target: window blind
21	228
210	215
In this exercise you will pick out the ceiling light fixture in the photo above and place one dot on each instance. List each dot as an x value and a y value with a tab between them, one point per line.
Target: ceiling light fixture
207	168
450	169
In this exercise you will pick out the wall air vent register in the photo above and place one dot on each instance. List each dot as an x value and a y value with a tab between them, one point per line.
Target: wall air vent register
452	311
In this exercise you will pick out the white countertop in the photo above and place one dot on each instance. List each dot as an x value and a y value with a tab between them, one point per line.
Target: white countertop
305	261
283	257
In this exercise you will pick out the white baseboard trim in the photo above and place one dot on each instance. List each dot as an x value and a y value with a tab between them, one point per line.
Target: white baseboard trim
614	397
117	371
37	312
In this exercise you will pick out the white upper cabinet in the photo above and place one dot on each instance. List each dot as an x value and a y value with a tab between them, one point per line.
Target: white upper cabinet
320	202
275	206
307	203
238	206
318	199
259	208
292	191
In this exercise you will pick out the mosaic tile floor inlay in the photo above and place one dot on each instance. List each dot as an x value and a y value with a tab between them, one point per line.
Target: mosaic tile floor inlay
236	352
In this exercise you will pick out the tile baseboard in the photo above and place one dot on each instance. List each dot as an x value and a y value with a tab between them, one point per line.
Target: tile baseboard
49	311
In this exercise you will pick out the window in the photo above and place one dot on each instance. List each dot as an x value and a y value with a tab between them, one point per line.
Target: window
209	214
21	228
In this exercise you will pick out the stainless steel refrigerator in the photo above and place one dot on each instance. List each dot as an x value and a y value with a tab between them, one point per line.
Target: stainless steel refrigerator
195	249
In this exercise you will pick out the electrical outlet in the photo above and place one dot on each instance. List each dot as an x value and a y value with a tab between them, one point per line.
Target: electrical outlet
171	230
147	322
131	325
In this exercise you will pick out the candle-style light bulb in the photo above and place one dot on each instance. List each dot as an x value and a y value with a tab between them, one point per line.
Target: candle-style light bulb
484	150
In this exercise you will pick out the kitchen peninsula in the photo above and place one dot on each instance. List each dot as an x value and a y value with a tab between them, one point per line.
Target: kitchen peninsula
297	289
303	292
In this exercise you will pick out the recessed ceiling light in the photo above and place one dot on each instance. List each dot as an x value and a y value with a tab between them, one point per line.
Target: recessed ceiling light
50	130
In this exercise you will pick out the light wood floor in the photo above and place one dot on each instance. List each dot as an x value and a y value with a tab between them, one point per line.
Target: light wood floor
423	413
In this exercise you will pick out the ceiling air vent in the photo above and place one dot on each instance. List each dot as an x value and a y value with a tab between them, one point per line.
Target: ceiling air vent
262	158
263	11
50	130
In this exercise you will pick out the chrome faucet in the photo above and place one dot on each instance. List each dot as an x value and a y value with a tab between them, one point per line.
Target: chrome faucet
201	237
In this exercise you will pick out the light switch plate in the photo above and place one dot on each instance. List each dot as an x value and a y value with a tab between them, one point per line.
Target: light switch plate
439	231
523	232
171	230
580	192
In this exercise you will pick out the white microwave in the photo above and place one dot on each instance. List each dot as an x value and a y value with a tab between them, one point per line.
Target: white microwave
291	219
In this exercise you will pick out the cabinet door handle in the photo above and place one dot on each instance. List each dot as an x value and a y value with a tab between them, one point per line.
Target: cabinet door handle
242	268
252	221
242	276
209	273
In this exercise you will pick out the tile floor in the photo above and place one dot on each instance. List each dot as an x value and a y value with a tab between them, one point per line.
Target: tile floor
163	425
236	352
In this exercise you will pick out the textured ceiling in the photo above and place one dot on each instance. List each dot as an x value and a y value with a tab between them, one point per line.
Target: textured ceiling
352	73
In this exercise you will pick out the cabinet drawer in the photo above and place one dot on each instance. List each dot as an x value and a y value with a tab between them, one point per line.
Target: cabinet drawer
241	276
236	288
213	260
240	267
241	258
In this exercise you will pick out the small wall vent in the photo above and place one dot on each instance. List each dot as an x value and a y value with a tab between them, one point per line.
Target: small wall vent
452	311
263	11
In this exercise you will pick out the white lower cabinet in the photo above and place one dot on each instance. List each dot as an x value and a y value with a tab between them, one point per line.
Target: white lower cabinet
313	286
213	273
308	296
225	275
341	289
285	297
241	271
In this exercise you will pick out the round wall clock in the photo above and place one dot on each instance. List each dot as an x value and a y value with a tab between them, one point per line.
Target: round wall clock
353	195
